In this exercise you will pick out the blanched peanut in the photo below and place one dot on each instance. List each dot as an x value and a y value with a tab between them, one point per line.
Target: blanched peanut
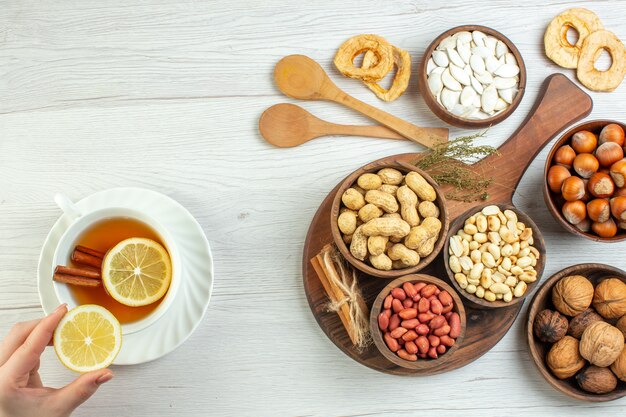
347	222
408	205
381	226
369	212
376	245
352	199
420	186
390	176
369	181
358	246
385	201
408	257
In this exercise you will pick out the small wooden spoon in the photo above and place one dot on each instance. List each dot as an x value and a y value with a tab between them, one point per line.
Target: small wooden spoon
287	125
300	77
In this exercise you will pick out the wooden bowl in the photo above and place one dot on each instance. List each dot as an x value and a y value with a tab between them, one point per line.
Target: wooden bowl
423	364
538	349
364	267
539	244
451	118
555	201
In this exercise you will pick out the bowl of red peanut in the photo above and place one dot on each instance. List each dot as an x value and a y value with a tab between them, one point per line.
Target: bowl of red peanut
417	321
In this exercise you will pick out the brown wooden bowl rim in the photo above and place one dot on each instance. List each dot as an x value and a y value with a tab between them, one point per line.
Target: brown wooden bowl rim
547	194
455	120
376	166
545	291
420	364
539	244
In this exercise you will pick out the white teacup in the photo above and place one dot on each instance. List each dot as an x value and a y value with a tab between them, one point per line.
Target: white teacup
82	221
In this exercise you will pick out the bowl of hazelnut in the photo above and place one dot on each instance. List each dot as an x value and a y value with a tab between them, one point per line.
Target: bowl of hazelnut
585	186
575	331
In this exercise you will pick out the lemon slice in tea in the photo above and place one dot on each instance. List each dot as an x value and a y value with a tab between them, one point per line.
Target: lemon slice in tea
137	272
88	338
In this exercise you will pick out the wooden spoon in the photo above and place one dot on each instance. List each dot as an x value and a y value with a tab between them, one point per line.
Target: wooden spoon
287	125
300	77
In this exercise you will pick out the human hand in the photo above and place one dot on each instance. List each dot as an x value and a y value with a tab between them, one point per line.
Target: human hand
22	393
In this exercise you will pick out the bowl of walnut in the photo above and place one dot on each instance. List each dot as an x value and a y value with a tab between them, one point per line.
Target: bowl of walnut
389	219
575	329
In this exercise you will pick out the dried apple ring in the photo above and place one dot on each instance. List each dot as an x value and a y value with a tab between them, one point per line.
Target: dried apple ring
402	61
587	73
557	47
353	47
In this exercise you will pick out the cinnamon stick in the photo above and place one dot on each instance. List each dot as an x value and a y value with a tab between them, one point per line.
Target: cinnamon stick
86	272
90	251
77	280
86	256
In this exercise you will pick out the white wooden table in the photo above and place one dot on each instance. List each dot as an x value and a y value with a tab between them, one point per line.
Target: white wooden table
166	95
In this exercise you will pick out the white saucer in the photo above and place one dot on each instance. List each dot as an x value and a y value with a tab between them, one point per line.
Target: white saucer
192	299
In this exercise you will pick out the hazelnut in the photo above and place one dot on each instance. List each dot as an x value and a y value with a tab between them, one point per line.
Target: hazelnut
572	295
563	359
597	380
609	298
619	366
601	343
581	321
550	326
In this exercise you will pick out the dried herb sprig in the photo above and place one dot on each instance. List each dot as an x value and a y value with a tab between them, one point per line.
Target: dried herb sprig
447	164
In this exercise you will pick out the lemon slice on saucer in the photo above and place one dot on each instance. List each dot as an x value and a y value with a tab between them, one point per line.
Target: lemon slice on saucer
137	272
88	338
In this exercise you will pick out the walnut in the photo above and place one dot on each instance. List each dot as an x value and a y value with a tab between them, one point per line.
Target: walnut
579	323
610	298
572	295
564	360
621	324
597	380
619	366
601	343
550	326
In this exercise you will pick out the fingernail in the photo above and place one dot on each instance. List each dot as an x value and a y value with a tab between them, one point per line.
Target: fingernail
61	307
104	378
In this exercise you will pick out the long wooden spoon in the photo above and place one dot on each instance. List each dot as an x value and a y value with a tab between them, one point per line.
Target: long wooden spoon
287	125
300	77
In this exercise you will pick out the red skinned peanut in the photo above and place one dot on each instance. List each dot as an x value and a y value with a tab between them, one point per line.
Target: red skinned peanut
455	325
397	333
435	306
408	313
409	289
423	306
394	322
383	322
445	329
441	349
410	347
397	306
410	324
445	298
422	329
398	293
409	336
428	290
422	344
392	343
408	302
406	355
446	340
387	302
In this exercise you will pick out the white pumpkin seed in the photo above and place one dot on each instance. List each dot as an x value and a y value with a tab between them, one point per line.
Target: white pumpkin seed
478	37
509	58
463	111
476	85
476	101
430	65
459	74
463	36
449	98
468	70
489	99
449	42
441	58
492	64
467	96
477	63
502	83
490	43
481	51
500	104
507	71
501	49
455	58
484	78
449	81
434	83
464	50
507	94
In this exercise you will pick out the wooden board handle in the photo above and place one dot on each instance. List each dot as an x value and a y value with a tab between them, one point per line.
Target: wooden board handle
560	103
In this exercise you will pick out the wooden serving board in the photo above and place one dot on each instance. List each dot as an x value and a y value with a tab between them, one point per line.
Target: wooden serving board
560	103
